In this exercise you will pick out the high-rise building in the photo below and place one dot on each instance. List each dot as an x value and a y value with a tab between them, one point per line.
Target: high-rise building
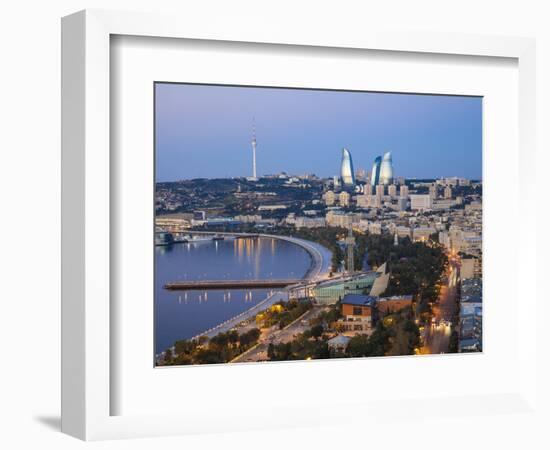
346	171
367	189
380	190
448	193
433	191
403	191
392	190
375	175
386	170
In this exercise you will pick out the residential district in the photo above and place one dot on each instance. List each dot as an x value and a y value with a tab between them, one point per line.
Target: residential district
405	275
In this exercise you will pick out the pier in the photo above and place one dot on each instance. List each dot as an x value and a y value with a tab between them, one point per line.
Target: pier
229	284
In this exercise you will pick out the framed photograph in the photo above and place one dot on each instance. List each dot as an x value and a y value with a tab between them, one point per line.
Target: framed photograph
246	207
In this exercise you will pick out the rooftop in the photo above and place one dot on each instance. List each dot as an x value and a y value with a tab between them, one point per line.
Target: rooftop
359	300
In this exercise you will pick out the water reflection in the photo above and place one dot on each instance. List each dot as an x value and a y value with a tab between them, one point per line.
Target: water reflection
180	315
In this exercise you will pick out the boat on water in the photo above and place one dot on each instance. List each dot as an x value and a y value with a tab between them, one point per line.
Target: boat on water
195	239
218	237
164	238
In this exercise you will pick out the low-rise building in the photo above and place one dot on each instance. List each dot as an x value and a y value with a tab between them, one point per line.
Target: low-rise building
388	305
422	234
357	313
338	343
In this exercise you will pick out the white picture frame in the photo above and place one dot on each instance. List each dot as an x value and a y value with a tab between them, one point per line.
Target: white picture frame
87	328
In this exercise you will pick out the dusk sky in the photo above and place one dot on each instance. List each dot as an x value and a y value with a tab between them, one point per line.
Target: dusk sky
205	132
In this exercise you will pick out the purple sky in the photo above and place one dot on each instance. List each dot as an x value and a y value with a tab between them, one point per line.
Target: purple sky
205	131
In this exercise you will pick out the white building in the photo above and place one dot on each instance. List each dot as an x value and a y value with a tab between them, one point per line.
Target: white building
329	197
344	198
421	202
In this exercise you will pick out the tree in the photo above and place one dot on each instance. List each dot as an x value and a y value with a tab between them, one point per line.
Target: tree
317	331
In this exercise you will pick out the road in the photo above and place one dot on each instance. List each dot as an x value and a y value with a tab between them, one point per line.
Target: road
259	353
437	334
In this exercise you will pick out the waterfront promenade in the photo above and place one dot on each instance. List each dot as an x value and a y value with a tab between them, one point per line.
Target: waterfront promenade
279	296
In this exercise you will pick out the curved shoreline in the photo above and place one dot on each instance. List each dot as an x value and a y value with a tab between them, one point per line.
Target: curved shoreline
317	269
318	266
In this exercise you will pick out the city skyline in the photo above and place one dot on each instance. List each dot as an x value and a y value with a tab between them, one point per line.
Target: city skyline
304	131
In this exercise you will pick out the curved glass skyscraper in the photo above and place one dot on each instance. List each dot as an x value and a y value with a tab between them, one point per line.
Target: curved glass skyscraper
346	172
375	175
386	170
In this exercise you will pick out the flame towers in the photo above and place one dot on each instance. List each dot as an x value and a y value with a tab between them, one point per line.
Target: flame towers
386	170
346	171
375	176
382	170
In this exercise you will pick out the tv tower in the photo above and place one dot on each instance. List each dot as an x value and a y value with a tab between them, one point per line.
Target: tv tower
254	177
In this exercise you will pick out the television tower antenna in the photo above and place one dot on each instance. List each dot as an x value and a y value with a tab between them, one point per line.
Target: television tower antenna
254	175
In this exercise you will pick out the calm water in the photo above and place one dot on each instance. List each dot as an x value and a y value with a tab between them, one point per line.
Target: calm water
184	314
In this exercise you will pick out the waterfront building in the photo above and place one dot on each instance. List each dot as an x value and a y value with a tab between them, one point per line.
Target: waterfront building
329	197
332	291
421	202
174	222
344	198
375	175
392	190
346	171
386	169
